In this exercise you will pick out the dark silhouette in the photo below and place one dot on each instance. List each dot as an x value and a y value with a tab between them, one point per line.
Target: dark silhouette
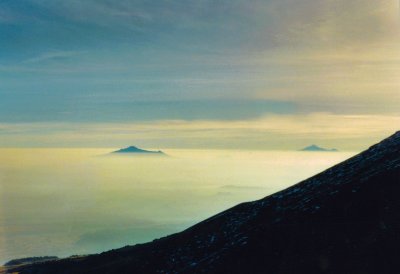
343	220
133	149
317	148
30	260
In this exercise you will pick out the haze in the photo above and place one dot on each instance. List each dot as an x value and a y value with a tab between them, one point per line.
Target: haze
78	201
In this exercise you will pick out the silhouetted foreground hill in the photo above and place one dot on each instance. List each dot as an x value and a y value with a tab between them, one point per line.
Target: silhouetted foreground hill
343	220
30	260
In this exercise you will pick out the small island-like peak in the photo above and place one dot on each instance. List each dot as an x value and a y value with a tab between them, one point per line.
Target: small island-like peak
133	149
317	148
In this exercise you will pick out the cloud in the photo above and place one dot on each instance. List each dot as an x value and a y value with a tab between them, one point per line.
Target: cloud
341	81
223	25
279	132
331	23
52	55
117	61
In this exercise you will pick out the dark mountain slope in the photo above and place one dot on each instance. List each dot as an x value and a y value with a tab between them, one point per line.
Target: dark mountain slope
343	220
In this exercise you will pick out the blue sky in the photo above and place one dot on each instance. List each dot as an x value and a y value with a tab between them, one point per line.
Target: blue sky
145	61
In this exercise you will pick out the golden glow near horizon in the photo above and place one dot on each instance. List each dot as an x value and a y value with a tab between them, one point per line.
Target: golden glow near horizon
276	132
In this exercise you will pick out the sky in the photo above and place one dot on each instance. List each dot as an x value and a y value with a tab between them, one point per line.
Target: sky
270	74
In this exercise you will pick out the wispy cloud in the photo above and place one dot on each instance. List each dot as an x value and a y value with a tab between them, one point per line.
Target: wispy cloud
345	132
335	56
52	55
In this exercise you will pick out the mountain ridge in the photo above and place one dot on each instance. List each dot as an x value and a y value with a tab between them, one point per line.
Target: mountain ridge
136	150
317	148
342	220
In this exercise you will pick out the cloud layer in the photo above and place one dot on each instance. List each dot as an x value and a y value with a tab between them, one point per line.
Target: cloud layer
287	132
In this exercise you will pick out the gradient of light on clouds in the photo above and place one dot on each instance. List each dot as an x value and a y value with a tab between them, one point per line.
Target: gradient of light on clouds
134	62
279	132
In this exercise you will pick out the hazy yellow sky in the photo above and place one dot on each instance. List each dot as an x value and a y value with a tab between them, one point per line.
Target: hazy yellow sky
286	132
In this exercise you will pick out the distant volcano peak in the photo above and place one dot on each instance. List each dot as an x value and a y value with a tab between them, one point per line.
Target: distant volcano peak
134	149
314	147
